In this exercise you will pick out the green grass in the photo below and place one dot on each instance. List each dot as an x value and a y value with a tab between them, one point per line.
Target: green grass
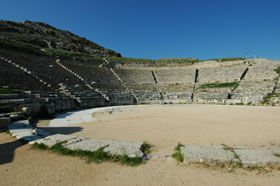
178	147
64	54
277	70
235	155
239	103
97	156
267	99
146	147
177	60
40	146
226	59
218	85
20	46
178	154
276	154
159	62
135	60
10	91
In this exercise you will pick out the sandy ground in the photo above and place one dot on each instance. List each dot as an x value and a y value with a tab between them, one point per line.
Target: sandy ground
22	165
164	126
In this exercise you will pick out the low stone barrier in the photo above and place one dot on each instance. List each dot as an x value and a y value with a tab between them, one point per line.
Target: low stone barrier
240	156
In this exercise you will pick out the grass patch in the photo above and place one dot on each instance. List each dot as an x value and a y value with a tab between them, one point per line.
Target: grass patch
178	154
20	46
158	62
276	154
239	103
97	156
178	147
125	160
40	146
135	60
277	70
10	91
235	155
226	59
146	147
267	99
178	60
218	85
65	54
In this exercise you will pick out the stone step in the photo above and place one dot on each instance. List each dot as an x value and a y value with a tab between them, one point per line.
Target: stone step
122	83
24	131
131	149
247	156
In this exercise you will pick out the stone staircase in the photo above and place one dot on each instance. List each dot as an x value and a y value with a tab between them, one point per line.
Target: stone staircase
194	92
106	63
63	89
156	82
274	97
82	79
227	101
26	71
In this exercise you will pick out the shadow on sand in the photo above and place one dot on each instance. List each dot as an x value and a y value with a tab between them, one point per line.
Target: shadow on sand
7	150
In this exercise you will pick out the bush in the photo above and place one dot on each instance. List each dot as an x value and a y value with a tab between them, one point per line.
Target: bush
277	70
178	154
50	32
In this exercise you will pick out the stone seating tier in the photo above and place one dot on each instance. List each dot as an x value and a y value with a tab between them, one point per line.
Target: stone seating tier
14	78
132	76
173	76
221	74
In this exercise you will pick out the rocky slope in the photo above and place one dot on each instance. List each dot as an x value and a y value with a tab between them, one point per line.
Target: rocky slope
37	37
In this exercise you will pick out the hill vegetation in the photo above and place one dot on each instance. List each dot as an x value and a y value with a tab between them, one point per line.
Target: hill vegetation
31	37
42	39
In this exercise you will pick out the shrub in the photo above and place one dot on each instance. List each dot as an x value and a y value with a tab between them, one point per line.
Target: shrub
178	154
50	32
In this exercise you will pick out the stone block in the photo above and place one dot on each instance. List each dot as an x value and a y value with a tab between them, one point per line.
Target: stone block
206	154
53	139
131	149
258	156
88	144
4	122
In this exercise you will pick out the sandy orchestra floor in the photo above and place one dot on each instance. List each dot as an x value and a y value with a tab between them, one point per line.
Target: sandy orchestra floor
161	126
165	126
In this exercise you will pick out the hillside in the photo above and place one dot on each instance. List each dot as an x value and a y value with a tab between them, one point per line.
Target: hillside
35	37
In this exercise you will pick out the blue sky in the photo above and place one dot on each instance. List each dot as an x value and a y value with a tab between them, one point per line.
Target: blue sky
159	28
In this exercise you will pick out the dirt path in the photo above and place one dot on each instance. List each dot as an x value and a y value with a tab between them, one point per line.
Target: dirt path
34	167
